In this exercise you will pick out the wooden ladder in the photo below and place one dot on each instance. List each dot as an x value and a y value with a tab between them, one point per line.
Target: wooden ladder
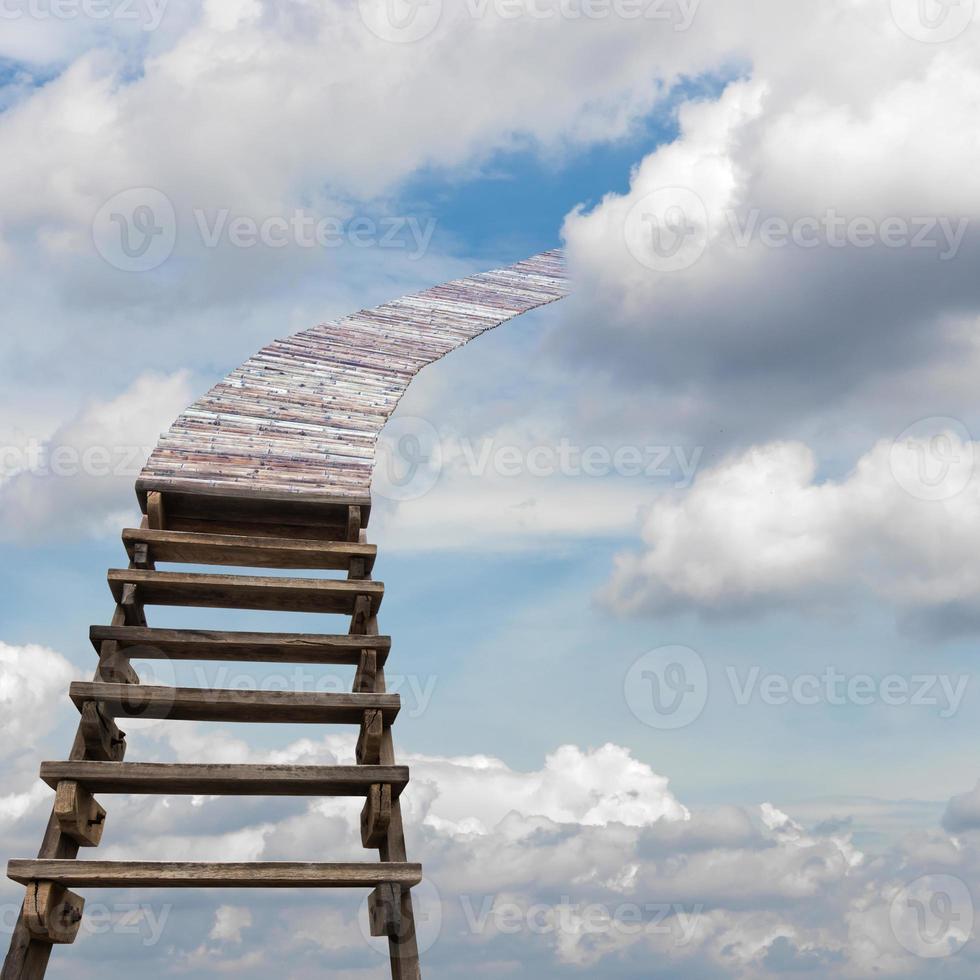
246	531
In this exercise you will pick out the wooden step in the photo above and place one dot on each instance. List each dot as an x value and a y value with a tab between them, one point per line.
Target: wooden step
297	648
245	591
185	874
198	704
247	552
192	501
224	780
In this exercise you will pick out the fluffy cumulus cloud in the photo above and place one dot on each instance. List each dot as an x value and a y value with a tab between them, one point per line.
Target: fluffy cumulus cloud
761	530
588	864
32	679
806	245
80	477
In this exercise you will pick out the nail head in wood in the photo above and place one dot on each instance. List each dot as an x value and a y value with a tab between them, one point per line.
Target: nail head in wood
52	913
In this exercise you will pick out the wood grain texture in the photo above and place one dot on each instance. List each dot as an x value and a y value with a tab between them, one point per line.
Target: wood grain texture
186	874
142	643
302	417
224	779
246	551
244	591
200	704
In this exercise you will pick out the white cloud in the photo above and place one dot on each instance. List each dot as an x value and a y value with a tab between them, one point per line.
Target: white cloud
760	530
229	922
589	862
755	339
82	475
32	679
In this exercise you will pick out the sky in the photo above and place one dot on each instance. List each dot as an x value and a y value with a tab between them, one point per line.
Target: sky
684	597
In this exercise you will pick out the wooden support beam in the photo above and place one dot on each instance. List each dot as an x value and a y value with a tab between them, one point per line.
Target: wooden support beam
376	816
155	513
369	741
188	874
385	911
52	913
78	813
101	736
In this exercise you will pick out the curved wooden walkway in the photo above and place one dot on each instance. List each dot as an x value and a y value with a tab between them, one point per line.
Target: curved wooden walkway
304	414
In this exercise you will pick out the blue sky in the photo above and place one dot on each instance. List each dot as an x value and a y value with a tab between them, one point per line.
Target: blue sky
811	403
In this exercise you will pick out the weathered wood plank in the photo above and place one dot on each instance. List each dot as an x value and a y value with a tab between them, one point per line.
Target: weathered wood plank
185	874
245	591
299	648
247	552
199	704
225	780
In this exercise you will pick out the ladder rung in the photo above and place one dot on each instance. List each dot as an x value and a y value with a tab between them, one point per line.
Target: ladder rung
201	704
301	648
184	874
224	780
245	591
247	552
